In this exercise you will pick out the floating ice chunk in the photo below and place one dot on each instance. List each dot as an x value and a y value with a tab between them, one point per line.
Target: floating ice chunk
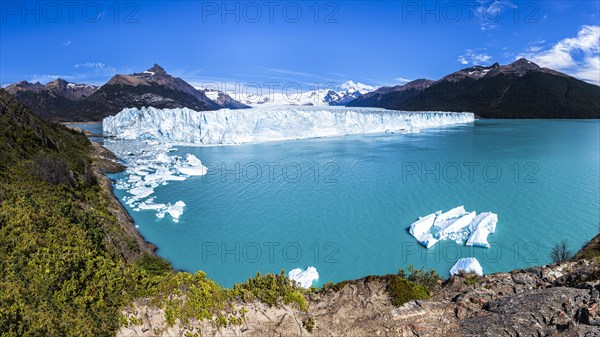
163	158
441	219
151	205
455	226
480	228
420	230
175	211
141	192
162	174
195	169
304	277
192	160
468	265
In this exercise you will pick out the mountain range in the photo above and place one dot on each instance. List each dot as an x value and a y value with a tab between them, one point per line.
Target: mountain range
62	101
336	96
521	89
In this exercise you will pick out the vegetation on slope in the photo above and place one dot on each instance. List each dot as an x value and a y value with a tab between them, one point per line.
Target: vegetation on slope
58	277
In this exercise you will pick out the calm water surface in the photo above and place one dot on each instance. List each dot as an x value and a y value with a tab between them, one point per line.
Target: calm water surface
344	204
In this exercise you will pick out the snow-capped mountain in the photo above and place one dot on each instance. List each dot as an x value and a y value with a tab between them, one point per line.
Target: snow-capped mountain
335	95
221	98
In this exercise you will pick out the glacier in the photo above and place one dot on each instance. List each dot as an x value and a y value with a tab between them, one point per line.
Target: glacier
304	277
455	224
467	265
263	124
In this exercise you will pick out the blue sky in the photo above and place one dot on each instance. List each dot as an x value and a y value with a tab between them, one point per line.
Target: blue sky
376	43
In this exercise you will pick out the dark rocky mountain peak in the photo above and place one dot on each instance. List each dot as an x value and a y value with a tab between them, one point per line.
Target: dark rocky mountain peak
475	72
419	84
158	70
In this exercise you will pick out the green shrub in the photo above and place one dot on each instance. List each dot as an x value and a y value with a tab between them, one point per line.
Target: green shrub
402	290
154	265
270	289
309	324
414	284
471	279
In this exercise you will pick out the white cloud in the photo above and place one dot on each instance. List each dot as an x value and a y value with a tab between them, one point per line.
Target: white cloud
402	79
95	69
577	56
67	43
48	78
488	12
472	57
93	65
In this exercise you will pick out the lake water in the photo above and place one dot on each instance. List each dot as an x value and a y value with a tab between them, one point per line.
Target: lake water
344	204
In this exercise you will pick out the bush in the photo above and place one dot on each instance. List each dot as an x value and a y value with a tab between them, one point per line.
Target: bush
427	279
402	290
414	284
560	252
52	169
154	265
270	289
309	324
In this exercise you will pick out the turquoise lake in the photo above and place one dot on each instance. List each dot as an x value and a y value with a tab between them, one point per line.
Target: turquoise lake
343	205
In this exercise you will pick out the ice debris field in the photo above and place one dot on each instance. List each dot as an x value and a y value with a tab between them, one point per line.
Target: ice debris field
455	224
150	165
265	124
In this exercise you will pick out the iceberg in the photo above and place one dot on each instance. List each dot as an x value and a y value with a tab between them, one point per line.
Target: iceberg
175	211
193	167
304	277
468	265
455	226
480	228
420	230
443	219
263	124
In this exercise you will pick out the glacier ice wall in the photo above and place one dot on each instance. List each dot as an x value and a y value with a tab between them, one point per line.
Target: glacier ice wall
255	125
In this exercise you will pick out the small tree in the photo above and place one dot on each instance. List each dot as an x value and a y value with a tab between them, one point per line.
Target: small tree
560	252
53	169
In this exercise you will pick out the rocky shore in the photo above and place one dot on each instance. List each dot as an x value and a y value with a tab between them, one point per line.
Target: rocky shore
554	300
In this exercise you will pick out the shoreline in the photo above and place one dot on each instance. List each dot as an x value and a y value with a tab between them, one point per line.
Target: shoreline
106	162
